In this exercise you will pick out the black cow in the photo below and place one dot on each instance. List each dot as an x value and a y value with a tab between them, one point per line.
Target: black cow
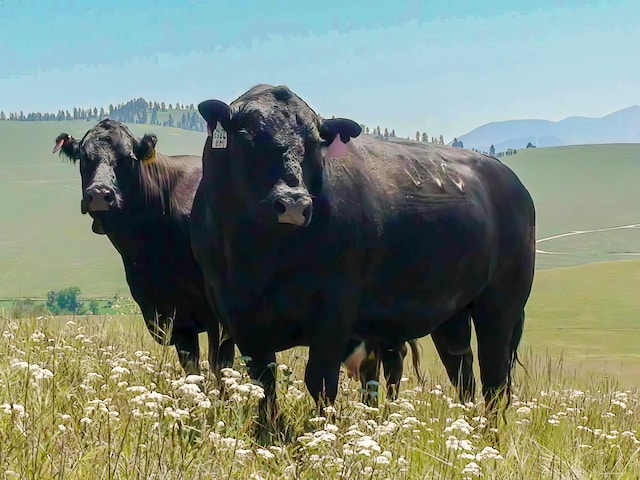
324	237
141	200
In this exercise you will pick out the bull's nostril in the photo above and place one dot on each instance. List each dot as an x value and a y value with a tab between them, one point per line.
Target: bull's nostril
306	213
109	196
280	206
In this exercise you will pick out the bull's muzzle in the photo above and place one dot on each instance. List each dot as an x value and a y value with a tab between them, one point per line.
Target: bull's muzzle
294	210
97	199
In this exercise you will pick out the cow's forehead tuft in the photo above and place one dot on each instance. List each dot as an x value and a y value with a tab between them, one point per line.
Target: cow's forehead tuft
115	130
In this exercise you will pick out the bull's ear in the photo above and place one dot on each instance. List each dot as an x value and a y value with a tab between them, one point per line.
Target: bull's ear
145	148
337	132
214	111
68	146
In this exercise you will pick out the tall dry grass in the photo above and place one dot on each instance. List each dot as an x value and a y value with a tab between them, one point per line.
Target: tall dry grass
95	397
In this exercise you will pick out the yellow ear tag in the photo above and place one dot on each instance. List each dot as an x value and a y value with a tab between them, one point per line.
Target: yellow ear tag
151	158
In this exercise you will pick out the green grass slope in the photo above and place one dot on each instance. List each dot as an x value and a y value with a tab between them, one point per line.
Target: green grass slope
583	188
45	243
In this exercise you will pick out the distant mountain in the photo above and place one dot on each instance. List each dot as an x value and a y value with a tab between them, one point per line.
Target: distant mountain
622	126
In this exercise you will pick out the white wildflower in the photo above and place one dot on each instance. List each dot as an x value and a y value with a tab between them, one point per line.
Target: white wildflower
472	468
460	425
42	373
231	373
12	409
119	370
455	444
329	427
194	378
137	389
38	336
489	453
266	454
294	393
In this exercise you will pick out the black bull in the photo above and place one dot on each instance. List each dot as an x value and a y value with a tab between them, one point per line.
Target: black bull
141	200
324	237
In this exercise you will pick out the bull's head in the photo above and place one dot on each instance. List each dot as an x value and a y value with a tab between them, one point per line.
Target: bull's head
275	144
109	155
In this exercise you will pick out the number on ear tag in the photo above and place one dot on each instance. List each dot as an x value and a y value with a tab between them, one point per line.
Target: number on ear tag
219	137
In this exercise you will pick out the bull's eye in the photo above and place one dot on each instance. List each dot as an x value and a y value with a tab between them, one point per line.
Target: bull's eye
245	138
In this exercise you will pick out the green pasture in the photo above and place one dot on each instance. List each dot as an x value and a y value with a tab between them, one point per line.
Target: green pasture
583	188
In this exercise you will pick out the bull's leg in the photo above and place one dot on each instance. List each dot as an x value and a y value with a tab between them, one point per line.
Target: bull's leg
330	340
393	363
221	352
226	352
187	346
499	330
453	343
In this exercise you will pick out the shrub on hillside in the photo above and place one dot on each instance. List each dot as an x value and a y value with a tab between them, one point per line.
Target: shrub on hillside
27	308
65	301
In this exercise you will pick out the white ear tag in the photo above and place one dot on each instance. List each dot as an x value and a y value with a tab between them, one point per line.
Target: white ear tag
219	137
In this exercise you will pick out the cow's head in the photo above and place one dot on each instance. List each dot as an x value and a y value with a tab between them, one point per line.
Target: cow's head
275	144
109	157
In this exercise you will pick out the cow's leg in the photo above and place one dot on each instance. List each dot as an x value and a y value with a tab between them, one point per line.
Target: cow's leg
187	346
393	363
453	344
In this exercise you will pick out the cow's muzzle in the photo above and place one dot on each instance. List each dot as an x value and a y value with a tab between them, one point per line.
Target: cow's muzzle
294	209
97	199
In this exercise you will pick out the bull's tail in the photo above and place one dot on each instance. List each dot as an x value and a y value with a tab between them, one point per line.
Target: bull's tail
513	354
415	358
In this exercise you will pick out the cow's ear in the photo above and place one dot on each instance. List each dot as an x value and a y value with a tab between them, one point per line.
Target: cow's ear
145	148
68	146
337	132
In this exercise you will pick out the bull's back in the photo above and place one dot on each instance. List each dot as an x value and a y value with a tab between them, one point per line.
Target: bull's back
437	230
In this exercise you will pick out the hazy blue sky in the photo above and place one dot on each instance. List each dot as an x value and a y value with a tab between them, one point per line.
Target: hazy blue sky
443	66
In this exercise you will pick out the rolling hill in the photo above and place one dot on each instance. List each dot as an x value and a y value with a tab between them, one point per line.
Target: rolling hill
45	243
622	126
